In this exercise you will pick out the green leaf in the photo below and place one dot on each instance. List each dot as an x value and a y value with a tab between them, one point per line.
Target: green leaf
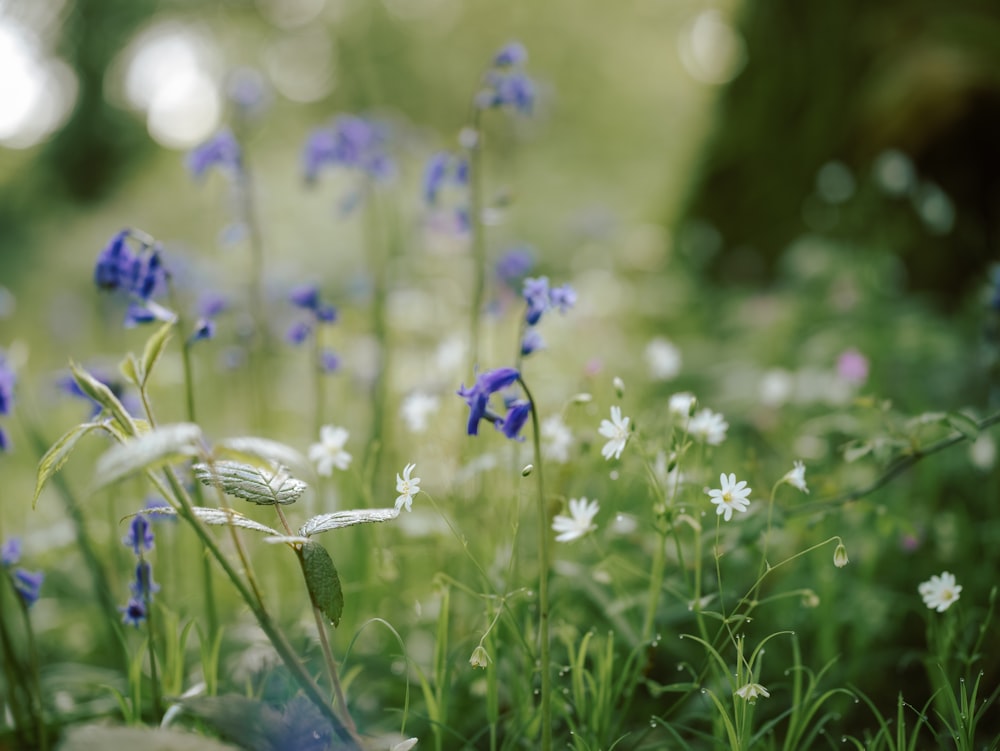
217	517
162	445
249	447
132	370
101	394
322	581
264	487
964	424
58	453
154	348
338	519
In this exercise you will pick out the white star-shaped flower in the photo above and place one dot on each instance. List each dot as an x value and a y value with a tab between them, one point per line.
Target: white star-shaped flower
752	691
680	404
616	431
407	487
579	522
796	477
556	439
708	426
732	496
939	592
329	452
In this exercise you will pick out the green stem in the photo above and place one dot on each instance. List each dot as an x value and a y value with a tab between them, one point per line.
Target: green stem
543	577
150	646
13	674
478	240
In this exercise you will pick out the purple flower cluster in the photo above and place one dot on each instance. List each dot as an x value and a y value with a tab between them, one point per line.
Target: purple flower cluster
7	381
222	150
505	84
541	298
138	275
27	584
140	540
352	142
306	297
478	398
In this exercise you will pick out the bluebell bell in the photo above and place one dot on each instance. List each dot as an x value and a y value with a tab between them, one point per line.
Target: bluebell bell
10	551
444	169
298	332
28	585
478	395
204	328
512	90
115	264
512	53
513	266
221	150
4	441
517	415
329	361
7	381
134	613
563	297
140	535
531	342
536	294
143	585
351	142
305	296
139	276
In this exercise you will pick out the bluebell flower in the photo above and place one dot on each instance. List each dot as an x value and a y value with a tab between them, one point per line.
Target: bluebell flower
134	613
512	53
513	266
536	294
140	535
444	170
329	361
210	306
563	297
4	441
298	332
139	276
10	551
221	150
143	585
305	296
351	142
28	585
478	395
531	342
7	380
517	415
204	328
247	92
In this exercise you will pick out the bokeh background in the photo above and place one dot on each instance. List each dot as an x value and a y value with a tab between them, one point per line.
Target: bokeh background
766	183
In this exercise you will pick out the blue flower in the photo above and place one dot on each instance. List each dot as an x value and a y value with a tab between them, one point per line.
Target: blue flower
140	535
7	381
204	328
352	142
221	150
536	294
115	265
531	342
478	396
139	276
4	441
298	332
28	585
563	297
514	265
512	53
444	169
143	587
305	296
10	551
517	415
329	361
134	613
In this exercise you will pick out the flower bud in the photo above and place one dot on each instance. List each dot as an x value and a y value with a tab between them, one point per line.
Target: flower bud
480	657
840	556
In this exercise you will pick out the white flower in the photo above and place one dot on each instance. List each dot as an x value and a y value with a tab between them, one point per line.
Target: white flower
480	657
939	592
329	452
751	691
407	487
616	431
680	404
796	477
556	439
416	408
733	496
663	358
709	426
579	522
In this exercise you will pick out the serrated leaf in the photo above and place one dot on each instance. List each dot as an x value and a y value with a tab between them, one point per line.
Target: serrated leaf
264	487
322	581
261	448
216	517
162	445
154	348
58	453
964	424
338	519
103	395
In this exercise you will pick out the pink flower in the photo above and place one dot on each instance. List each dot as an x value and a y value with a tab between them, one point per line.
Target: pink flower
852	366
